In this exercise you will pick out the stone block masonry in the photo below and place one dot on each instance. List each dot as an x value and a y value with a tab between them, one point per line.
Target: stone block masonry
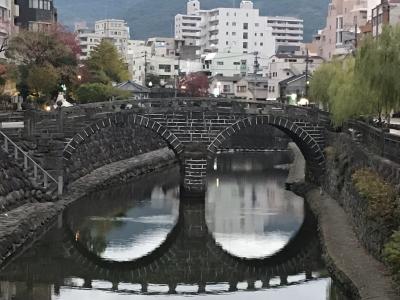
112	144
16	188
346	156
23	223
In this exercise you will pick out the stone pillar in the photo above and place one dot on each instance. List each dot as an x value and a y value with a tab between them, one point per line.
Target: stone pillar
233	286
145	287
251	285
50	154
172	288
194	169
265	282
202	288
194	221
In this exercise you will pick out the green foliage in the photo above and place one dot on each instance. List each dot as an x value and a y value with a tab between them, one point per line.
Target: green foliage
320	82
391	254
381	196
43	79
365	85
106	65
98	92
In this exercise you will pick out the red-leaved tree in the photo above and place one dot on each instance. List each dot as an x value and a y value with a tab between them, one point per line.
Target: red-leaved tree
195	85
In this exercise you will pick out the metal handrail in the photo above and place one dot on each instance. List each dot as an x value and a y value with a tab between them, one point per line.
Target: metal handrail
36	166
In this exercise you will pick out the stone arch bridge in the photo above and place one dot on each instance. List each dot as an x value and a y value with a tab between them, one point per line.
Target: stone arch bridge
195	128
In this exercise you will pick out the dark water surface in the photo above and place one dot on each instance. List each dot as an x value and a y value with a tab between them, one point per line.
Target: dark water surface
250	238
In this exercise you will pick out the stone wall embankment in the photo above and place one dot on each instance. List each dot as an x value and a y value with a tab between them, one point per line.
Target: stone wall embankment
110	145
16	188
344	157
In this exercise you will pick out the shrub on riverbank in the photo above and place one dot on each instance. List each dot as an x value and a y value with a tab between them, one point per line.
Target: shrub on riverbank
391	254
381	196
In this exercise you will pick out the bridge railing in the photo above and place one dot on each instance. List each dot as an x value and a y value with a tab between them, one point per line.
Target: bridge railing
80	116
379	141
39	174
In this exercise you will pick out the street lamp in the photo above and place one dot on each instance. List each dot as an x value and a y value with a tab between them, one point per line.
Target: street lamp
150	84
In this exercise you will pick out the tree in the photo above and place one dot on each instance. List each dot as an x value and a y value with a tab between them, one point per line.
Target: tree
320	82
98	92
195	85
366	85
106	65
44	60
43	80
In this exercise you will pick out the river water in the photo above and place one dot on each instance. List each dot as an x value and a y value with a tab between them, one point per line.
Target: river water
249	237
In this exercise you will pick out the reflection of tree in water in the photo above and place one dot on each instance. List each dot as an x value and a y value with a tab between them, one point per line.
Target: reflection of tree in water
93	232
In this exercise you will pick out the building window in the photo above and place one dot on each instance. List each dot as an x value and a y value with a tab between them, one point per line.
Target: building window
220	63
244	45
234	24
257	24
245	26
241	89
245	35
227	88
234	33
261	44
166	68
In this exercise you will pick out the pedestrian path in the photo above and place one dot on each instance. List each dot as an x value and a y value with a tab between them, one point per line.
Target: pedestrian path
342	246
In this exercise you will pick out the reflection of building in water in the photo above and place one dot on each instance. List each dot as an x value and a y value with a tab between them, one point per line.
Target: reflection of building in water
163	198
24	291
253	203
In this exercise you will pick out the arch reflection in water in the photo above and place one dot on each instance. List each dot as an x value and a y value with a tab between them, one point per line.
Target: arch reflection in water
188	261
127	222
249	211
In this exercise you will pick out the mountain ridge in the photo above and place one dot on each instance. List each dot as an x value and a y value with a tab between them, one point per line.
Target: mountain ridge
148	18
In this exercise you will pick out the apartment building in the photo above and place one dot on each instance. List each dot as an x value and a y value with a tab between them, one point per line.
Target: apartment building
343	23
36	15
161	56
116	31
287	31
9	12
387	12
284	66
188	26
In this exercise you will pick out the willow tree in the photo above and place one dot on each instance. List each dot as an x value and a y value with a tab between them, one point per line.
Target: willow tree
320	82
344	92
377	68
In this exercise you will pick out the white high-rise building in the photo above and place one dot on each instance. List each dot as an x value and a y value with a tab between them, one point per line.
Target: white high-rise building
237	31
116	31
287	30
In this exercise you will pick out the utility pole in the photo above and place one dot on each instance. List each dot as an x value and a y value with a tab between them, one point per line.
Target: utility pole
178	77
307	60
145	67
256	64
355	36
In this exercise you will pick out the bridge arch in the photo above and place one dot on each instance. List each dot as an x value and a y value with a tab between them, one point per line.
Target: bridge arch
126	120
309	147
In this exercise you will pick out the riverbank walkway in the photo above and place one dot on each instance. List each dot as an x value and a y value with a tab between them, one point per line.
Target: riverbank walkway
345	251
